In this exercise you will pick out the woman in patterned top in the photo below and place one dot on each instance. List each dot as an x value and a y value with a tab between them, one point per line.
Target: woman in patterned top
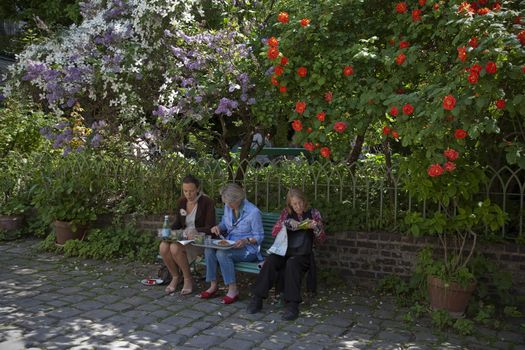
304	227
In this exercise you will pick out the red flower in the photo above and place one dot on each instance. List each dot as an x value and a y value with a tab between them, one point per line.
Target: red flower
434	170
328	96
321	116
408	109
284	61
462	53
305	22
309	146
297	125
476	68
273	52
325	152
278	70
348	70
523	69
465	7
422	2
401	7
394	111
273	42
491	67
500	104
275	82
460	134
449	102
517	20
301	71
404	44
483	11
309	130
416	15
395	134
449	166
473	42
340	127
401	58
282	17
521	37
300	107
282	89
473	77
436	6
451	154
496	6
386	130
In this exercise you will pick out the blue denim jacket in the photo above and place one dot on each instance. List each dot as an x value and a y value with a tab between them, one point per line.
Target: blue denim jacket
249	225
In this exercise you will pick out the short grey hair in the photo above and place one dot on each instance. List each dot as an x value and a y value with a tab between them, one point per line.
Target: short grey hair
232	193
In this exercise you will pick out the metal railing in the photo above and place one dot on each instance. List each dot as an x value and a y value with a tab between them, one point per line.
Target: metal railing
356	198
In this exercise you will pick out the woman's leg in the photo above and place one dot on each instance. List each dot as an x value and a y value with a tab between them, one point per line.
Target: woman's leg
226	259
178	252
171	264
268	275
211	269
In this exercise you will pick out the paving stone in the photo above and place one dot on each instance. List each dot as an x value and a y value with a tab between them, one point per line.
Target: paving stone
118	307
98	314
511	337
237	344
65	312
89	305
173	340
272	344
204	341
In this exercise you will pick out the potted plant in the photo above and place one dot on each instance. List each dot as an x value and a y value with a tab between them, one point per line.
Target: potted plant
68	194
14	195
457	218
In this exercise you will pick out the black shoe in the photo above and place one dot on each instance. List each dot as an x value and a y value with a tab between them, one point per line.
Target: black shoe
291	312
254	306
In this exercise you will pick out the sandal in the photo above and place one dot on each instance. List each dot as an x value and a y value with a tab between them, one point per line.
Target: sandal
186	291
206	294
172	286
229	300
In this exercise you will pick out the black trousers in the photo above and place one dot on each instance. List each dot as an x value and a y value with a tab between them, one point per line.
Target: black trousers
292	267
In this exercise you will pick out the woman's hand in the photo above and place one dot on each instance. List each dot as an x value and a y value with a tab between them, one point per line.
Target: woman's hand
190	233
312	224
293	224
216	230
240	243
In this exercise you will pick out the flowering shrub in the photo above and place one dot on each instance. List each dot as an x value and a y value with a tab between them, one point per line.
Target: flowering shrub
441	76
137	67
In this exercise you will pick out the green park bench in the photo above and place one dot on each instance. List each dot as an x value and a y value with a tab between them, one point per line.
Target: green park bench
282	151
268	219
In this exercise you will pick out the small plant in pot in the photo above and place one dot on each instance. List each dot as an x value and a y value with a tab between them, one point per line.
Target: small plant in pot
457	218
67	194
14	196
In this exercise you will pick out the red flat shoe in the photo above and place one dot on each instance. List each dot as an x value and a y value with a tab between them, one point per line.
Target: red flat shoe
206	294
229	300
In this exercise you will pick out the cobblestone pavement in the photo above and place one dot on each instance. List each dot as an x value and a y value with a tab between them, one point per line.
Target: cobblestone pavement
52	302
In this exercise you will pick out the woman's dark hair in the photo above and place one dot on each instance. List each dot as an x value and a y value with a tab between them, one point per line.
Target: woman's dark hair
190	179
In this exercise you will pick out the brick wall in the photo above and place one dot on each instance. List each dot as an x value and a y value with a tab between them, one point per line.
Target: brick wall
373	255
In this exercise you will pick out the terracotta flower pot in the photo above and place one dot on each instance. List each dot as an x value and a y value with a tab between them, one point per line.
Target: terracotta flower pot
64	231
11	222
450	297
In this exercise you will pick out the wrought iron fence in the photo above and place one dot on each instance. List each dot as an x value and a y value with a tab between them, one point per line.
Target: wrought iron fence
362	197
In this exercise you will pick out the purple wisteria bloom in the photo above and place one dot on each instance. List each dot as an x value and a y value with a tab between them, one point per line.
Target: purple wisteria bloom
34	70
226	106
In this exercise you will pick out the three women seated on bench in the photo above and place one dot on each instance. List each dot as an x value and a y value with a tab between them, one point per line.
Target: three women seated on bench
241	223
296	262
195	212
